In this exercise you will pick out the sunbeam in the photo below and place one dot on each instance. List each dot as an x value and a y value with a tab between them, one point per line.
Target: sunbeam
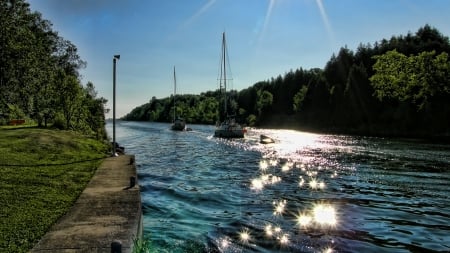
268	15
265	22
191	19
326	22
202	10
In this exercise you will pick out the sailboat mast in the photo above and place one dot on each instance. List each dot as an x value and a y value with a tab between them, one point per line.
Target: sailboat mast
174	93
224	46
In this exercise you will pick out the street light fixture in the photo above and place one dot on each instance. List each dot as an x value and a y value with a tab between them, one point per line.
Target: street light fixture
116	57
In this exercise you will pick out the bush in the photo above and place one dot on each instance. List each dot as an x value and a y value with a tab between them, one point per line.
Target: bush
59	122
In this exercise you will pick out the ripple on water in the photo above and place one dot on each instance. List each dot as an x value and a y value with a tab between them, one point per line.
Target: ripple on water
202	193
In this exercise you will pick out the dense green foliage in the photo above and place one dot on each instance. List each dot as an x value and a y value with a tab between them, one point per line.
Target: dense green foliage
43	173
201	108
399	86
39	79
416	79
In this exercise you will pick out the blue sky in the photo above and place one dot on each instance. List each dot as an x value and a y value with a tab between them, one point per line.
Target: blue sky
265	38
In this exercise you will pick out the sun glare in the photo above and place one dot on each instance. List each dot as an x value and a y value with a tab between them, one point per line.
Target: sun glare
277	230
324	214
284	239
257	184
263	165
273	162
279	207
275	167
304	220
313	183
275	179
321	185
268	229
328	250
224	243
301	182
244	235
286	167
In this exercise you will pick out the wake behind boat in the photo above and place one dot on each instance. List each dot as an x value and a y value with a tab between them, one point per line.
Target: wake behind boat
226	127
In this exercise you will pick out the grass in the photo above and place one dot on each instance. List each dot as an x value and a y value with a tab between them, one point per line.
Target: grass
42	174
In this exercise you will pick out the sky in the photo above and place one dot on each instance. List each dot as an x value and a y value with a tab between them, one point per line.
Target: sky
265	38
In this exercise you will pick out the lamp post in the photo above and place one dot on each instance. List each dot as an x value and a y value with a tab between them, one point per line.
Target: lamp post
116	57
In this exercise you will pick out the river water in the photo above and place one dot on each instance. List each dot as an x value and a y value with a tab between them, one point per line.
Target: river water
304	193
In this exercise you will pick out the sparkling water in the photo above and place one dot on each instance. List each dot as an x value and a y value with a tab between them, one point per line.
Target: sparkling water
303	193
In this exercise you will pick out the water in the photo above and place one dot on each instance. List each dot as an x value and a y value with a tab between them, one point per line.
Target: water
304	193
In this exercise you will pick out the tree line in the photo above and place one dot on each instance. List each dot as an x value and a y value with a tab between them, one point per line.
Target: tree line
398	86
39	75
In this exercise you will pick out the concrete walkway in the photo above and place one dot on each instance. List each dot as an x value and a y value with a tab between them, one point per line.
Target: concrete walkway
107	211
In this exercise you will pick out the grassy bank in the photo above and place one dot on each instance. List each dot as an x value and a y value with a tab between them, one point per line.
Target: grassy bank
42	174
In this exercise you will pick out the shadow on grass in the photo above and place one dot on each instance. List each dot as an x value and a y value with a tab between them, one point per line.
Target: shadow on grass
22	127
53	164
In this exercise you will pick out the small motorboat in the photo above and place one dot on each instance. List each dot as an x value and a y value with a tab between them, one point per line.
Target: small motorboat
264	139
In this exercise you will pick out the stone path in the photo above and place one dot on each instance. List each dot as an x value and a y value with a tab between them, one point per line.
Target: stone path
108	210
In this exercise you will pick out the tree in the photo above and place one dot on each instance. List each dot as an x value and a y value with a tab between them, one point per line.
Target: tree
25	44
416	79
39	73
70	98
95	118
299	97
264	100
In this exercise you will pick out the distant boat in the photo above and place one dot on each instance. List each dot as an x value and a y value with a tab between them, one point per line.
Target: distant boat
178	123
226	127
264	139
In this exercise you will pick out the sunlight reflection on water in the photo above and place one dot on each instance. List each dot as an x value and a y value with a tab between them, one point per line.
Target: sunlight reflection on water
303	193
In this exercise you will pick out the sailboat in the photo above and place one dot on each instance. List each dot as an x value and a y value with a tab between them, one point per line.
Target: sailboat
178	123
226	127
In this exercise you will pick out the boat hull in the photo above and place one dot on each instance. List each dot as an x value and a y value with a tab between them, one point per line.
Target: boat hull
264	139
229	131
229	134
178	125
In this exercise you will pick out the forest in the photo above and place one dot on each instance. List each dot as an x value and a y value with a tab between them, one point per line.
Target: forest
395	87
39	75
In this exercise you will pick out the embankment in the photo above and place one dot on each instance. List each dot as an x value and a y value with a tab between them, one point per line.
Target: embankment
107	214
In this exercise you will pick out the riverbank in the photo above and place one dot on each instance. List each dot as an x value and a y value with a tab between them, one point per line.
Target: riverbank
43	172
107	212
292	123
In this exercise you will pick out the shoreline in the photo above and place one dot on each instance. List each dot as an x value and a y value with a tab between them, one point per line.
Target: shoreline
107	213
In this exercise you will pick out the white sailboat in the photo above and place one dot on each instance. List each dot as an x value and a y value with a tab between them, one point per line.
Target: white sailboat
178	123
227	127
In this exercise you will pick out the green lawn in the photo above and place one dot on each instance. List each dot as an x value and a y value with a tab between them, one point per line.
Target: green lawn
42	173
